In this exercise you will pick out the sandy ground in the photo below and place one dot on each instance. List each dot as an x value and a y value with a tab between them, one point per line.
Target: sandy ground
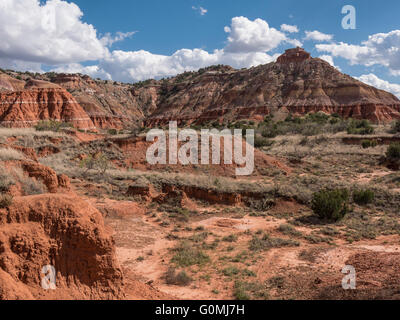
143	249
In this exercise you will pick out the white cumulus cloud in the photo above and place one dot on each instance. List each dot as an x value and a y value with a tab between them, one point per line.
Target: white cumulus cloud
141	65
289	28
239	52
6	63
49	33
108	39
317	36
94	71
252	36
373	80
380	48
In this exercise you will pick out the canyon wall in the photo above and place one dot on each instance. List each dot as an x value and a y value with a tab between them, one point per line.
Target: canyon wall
296	83
27	107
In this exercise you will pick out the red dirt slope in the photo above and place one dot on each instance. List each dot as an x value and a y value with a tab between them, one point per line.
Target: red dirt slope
63	231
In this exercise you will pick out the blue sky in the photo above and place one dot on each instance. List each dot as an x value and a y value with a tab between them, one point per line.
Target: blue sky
134	40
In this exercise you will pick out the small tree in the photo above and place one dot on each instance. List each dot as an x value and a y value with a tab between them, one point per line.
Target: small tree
98	161
102	163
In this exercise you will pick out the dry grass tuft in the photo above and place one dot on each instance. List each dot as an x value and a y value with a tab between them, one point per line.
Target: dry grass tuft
7	154
22	132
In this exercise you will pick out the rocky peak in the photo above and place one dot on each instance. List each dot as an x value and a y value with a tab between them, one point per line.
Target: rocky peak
294	55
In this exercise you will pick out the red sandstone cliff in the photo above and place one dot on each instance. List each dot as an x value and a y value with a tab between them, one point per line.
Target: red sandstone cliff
60	229
109	104
65	232
57	228
296	55
296	83
26	107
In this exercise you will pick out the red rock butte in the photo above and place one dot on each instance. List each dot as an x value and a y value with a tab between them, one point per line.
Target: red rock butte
294	55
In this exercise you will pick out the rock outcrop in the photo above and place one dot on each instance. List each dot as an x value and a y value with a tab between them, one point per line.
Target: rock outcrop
8	83
108	104
27	107
52	226
296	55
62	231
45	174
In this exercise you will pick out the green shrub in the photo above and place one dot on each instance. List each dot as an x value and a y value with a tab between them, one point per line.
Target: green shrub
369	144
271	131
268	119
396	127
112	132
248	273
363	197
393	151
310	125
199	237
260	142
265	242
318	117
186	256
240	291
52	125
250	290
230	238
31	186
289	230
5	201
361	127
330	204
230	271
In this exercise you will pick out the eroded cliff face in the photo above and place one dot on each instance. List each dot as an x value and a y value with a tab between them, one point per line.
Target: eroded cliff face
24	103
108	104
62	231
296	83
56	228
